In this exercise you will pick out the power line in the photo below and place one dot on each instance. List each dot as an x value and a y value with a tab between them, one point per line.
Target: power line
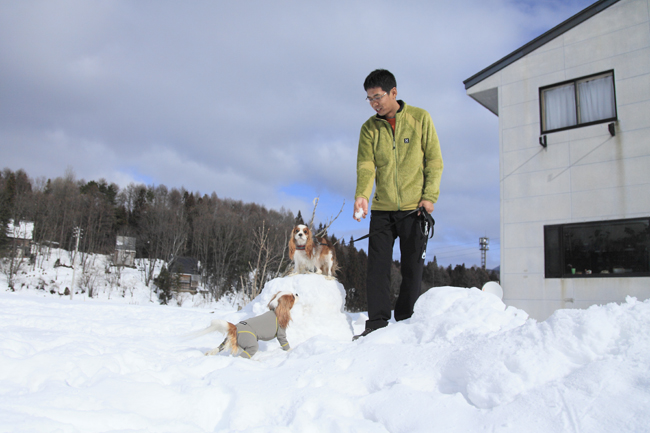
452	253
493	240
443	253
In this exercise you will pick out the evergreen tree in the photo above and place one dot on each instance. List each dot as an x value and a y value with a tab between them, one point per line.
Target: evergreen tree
169	223
428	274
441	277
356	277
166	283
459	276
5	213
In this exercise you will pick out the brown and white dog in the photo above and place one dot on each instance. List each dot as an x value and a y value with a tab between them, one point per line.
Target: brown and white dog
311	254
242	339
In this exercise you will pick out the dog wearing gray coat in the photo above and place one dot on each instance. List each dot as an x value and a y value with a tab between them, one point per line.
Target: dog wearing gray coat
242	339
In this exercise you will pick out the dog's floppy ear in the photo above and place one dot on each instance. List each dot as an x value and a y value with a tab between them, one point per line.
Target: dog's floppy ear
283	310
309	246
273	303
292	245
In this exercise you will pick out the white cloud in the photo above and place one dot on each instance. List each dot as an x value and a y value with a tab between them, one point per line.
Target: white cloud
247	98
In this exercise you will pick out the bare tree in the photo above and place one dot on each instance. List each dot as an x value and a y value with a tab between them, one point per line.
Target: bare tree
63	209
162	226
268	256
16	257
228	241
201	231
97	216
17	206
328	222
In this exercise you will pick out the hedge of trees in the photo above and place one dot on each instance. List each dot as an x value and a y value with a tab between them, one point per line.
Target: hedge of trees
239	245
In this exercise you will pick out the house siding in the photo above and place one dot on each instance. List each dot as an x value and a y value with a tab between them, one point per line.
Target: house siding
584	174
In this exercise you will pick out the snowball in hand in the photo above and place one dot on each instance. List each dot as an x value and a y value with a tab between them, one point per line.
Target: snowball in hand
358	214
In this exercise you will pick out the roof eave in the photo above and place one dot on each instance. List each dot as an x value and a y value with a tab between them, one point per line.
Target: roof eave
556	31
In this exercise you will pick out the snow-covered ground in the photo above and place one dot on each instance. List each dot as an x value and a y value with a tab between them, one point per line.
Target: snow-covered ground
463	363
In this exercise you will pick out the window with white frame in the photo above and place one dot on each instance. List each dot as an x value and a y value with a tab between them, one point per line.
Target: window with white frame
580	102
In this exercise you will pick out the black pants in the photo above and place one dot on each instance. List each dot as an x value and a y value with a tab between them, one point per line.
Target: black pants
380	258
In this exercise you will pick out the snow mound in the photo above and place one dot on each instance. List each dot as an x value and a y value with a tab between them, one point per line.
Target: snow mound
318	311
445	316
464	362
568	345
448	312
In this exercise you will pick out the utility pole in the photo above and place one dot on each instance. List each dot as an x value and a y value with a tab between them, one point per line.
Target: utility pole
484	245
77	234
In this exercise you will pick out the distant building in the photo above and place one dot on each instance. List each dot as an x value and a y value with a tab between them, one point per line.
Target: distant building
188	270
124	251
20	237
574	122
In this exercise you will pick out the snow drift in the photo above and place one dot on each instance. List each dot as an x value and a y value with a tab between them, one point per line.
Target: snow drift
463	362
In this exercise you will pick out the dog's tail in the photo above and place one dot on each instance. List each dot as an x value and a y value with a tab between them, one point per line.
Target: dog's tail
330	246
216	325
230	342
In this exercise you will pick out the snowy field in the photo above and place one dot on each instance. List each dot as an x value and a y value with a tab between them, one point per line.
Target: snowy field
463	363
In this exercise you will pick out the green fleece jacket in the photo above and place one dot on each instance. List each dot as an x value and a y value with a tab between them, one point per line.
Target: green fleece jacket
406	165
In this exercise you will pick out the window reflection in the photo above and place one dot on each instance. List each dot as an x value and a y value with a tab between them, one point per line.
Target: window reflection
605	248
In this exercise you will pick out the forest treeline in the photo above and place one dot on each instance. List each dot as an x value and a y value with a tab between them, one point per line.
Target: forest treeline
240	245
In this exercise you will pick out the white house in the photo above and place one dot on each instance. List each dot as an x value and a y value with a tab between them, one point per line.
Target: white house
21	236
574	143
124	254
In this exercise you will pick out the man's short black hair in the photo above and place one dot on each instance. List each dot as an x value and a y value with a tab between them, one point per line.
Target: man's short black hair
380	78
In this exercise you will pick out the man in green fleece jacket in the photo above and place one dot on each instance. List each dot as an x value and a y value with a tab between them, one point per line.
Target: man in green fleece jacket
399	153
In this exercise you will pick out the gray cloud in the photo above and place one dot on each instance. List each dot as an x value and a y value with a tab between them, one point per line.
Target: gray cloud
258	101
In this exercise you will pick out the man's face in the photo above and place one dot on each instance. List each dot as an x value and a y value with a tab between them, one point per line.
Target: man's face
384	103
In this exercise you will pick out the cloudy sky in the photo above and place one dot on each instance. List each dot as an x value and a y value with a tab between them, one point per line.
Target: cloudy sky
258	101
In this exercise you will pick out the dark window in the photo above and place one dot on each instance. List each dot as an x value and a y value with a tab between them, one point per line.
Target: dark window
619	248
580	102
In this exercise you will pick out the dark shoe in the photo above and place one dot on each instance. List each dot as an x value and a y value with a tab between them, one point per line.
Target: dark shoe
363	334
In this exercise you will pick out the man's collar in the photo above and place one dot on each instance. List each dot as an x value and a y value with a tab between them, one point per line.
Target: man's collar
401	107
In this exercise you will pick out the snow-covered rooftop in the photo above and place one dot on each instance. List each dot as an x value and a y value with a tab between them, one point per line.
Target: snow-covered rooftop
22	230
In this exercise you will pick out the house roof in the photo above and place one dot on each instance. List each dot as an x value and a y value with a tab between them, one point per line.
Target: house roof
184	265
556	31
125	243
22	230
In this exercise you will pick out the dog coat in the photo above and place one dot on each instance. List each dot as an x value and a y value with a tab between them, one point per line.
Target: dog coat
264	327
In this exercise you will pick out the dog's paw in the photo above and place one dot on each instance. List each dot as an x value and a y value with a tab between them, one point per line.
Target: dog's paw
212	352
330	277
